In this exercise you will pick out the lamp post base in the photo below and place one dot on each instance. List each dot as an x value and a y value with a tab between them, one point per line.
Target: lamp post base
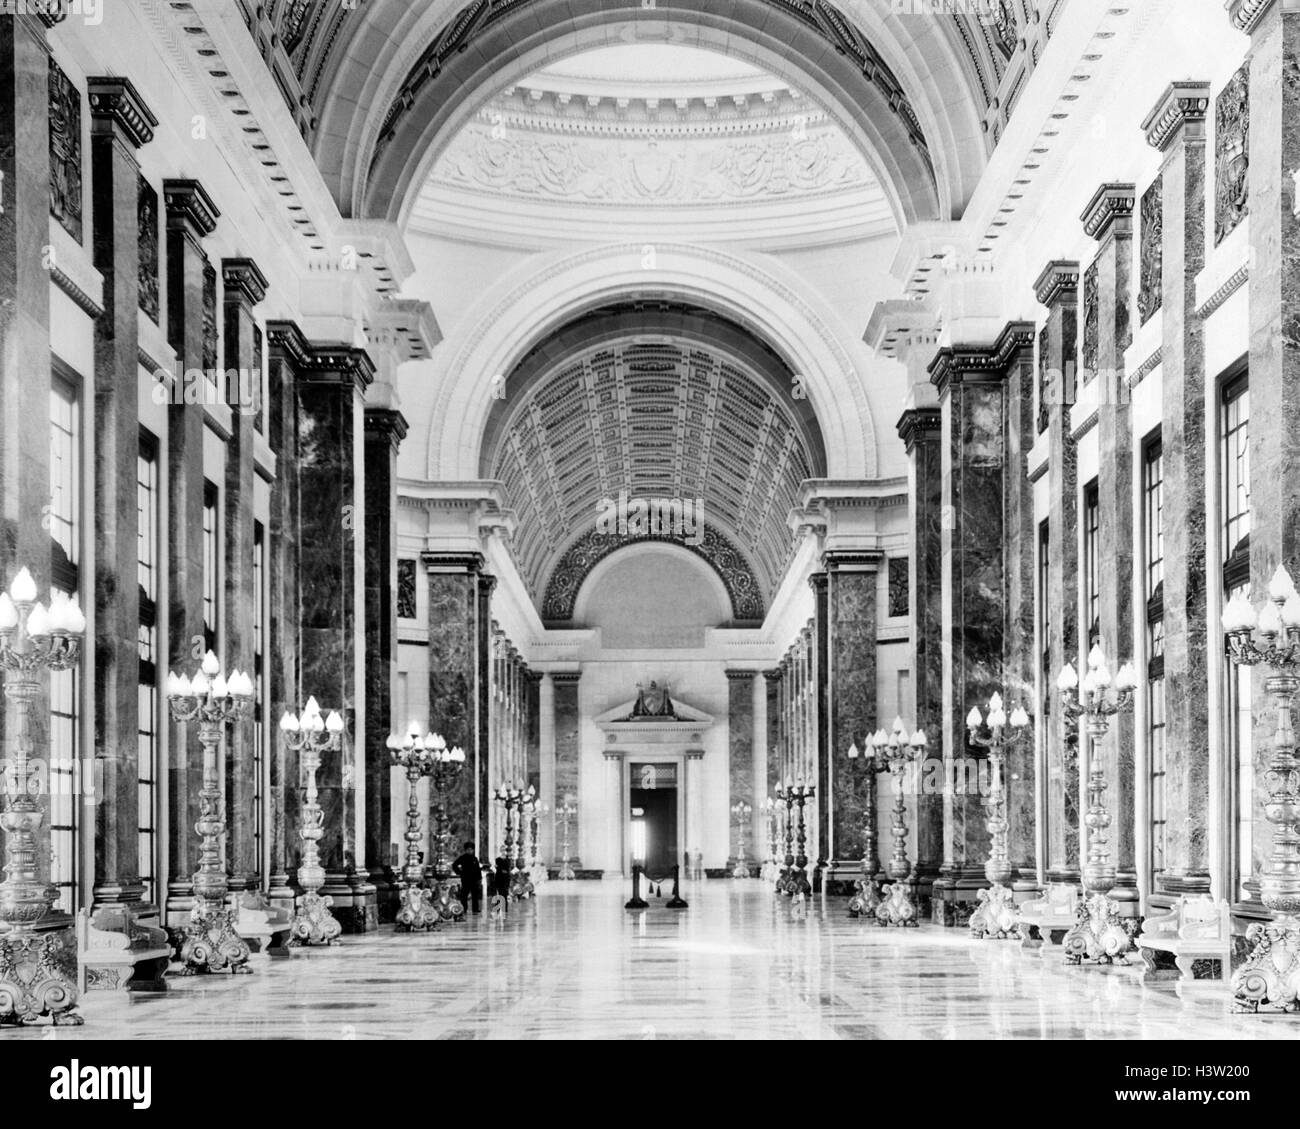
996	918
1269	978
866	901
446	901
313	924
898	908
417	911
1098	935
38	976
211	943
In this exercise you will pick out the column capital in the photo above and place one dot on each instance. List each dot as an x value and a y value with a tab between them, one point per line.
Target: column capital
242	281
1181	104
1059	282
385	424
741	675
469	563
853	560
317	362
819	583
920	425
189	207
1110	211
565	677
116	106
959	364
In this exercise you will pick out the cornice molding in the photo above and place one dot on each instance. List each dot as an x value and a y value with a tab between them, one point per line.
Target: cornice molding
1246	15
381	423
188	203
66	283
1111	204
242	278
1234	282
1181	103
959	364
1059	280
1089	422
116	101
457	563
1146	368
917	425
313	360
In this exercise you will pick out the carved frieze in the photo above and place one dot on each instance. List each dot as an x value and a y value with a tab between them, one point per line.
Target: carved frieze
406	574
1002	21
1231	154
1044	391
1151	251
1091	323
665	169
147	230
209	318
900	602
65	151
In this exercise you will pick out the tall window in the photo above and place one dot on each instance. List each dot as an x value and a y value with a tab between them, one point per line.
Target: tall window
65	533
147	739
1153	542
1092	561
211	566
259	644
1234	444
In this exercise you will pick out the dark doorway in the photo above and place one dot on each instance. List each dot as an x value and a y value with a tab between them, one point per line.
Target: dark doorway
653	802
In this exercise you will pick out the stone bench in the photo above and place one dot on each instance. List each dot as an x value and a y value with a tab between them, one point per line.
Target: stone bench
1191	942
1045	921
118	952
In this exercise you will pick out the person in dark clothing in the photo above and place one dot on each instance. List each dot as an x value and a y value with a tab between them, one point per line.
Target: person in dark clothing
501	883
467	869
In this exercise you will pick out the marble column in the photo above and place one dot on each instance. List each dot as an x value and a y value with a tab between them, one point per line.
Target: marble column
459	654
1274	200
1109	220
772	690
1057	288
244	286
25	326
1176	127
851	713
815	723
567	726
191	216
740	762
384	431
331	382
287	346
120	124
971	382
921	432
1020	587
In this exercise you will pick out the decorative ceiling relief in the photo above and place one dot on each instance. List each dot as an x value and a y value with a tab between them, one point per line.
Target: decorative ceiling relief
670	169
636	426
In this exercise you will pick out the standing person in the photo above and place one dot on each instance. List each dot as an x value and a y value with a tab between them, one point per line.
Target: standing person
467	869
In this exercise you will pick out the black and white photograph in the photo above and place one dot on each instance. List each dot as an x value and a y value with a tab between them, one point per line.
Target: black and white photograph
649	520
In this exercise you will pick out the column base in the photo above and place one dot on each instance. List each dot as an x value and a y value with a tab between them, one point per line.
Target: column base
38	976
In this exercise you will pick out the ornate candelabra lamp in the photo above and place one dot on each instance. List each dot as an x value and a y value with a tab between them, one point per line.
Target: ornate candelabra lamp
1099	934
742	811
414	754
996	915
210	942
311	735
445	766
786	797
514	799
795	795
38	972
1270	637
565	814
899	751
866	900
537	873
770	868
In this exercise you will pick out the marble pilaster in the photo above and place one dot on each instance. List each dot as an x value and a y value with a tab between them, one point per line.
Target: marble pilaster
920	430
772	689
1057	288
740	760
191	216
385	429
244	286
814	724
1109	220
849	701
120	124
568	721
1176	127
1274	201
331	381
971	381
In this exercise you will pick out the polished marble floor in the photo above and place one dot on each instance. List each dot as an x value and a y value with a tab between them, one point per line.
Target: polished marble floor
575	964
